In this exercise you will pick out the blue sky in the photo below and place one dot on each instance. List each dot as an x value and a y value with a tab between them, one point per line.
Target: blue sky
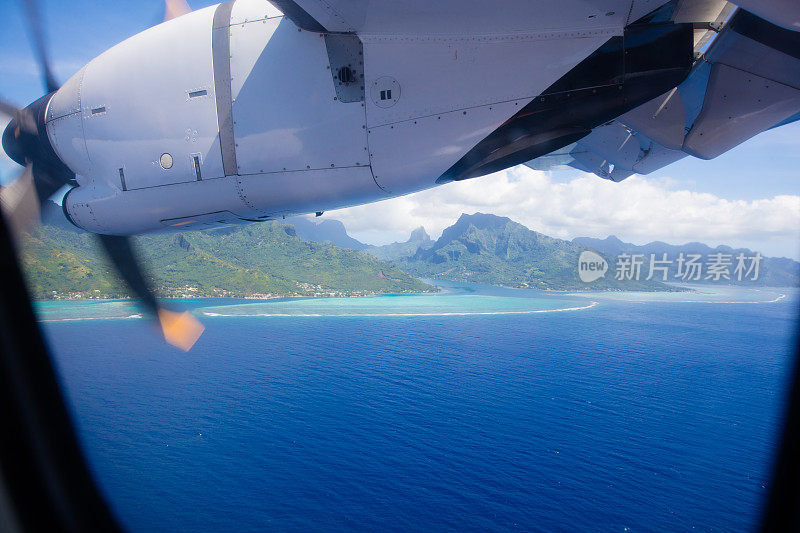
77	31
765	167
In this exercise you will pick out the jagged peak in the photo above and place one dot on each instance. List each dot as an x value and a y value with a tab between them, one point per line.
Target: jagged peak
482	220
614	239
419	234
331	223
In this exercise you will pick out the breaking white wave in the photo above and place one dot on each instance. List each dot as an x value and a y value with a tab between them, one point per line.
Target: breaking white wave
411	314
690	301
81	318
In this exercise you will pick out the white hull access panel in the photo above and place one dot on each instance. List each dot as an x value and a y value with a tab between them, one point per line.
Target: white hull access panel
255	118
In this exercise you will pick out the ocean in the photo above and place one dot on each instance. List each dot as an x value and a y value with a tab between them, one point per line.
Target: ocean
476	409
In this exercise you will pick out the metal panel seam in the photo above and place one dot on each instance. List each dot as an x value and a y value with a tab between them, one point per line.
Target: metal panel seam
221	56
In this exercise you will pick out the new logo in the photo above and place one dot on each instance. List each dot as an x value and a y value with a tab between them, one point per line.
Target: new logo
591	266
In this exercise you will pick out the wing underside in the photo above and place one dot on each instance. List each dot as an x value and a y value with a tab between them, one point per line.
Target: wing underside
746	80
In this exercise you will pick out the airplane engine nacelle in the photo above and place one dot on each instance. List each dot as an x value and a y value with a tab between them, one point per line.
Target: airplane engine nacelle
246	120
236	112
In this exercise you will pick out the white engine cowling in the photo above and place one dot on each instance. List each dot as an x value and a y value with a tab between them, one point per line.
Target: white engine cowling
243	119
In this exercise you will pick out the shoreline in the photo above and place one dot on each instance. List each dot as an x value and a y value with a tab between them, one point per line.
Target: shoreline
440	290
79	310
434	282
253	297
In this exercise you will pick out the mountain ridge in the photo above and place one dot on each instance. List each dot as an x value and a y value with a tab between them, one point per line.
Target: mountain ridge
300	257
419	238
261	260
497	250
487	248
329	231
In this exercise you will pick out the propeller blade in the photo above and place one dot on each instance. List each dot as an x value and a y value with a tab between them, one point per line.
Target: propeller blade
180	329
120	251
46	184
25	121
36	35
20	203
175	8
22	200
24	118
7	108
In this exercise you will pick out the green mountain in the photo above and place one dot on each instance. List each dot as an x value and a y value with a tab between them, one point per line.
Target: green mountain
256	260
496	250
272	259
399	250
326	230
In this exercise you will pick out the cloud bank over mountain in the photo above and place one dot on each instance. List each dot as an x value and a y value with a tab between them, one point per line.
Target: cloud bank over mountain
638	209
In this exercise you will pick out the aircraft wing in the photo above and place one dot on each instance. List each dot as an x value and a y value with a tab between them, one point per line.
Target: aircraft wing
747	80
746	77
460	17
477	17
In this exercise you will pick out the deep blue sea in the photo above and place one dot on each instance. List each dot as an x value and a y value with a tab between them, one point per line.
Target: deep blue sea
477	409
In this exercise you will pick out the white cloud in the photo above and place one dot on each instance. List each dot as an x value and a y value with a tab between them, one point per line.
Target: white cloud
638	210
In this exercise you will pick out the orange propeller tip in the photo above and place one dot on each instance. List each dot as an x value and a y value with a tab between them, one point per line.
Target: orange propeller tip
175	8
180	329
